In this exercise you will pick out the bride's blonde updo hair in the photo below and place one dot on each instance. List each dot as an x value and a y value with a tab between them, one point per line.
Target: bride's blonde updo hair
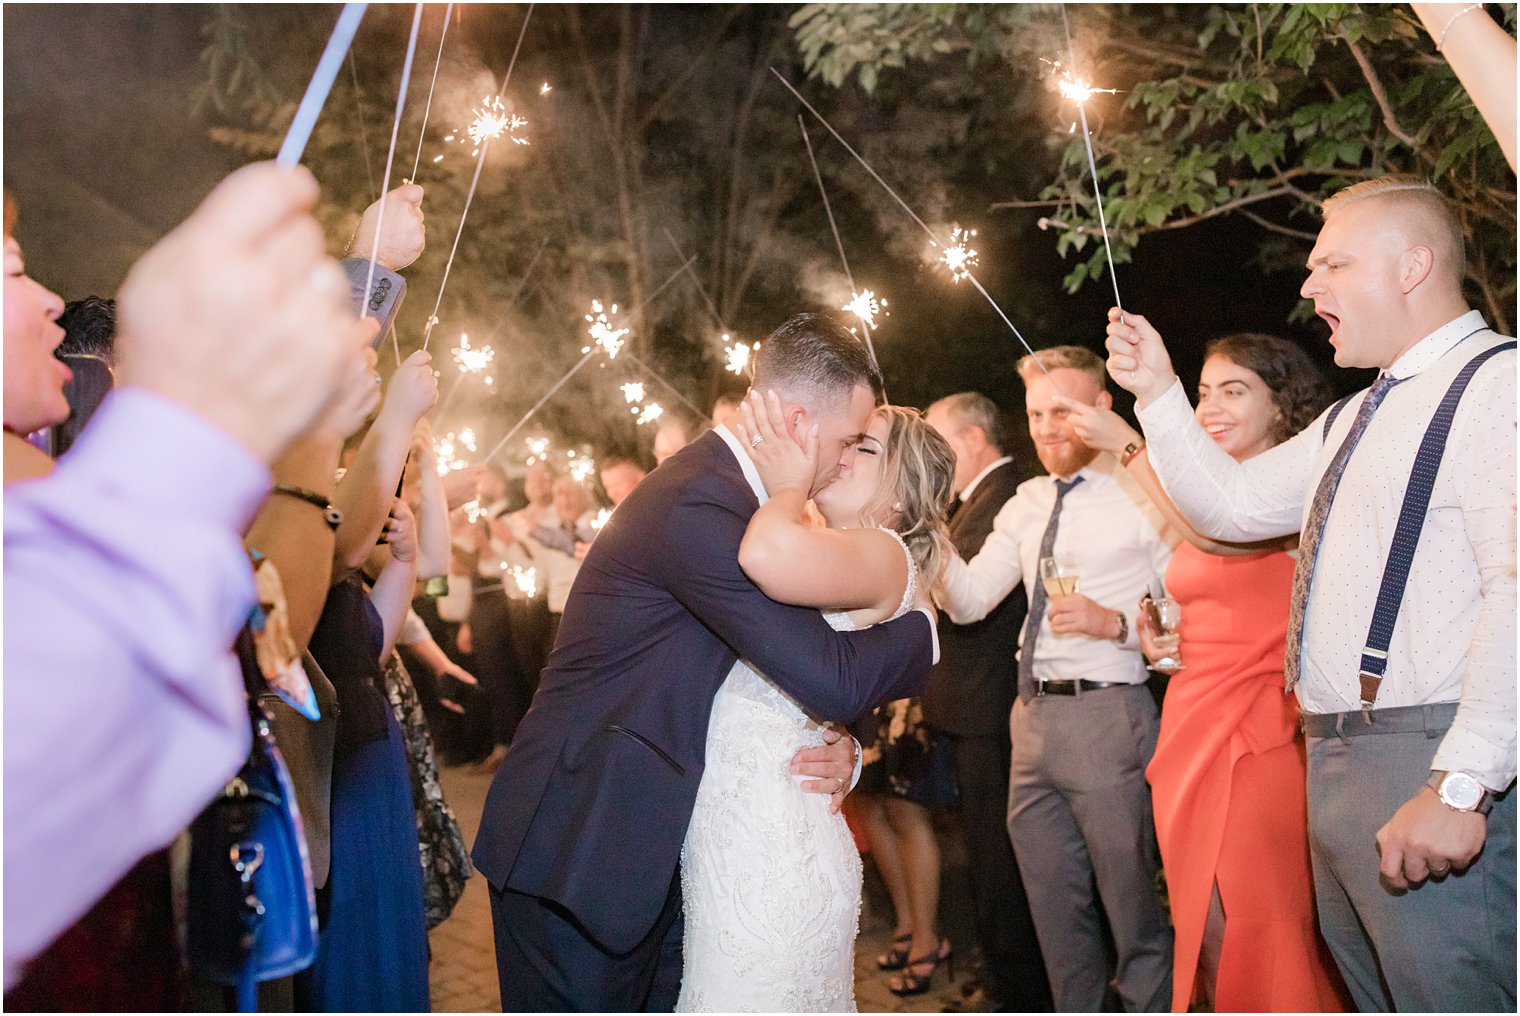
917	483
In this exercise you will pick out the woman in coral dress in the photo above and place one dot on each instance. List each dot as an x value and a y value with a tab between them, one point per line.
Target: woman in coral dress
1228	775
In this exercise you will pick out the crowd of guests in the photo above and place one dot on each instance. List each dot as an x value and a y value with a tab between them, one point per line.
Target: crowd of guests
245	479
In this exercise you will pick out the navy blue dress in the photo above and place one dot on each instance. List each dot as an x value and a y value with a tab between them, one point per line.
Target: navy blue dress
373	952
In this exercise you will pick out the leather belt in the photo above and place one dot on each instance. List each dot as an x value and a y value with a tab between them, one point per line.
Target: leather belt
1072	687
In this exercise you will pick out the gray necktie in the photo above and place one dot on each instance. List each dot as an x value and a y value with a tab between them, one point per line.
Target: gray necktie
1028	686
1319	511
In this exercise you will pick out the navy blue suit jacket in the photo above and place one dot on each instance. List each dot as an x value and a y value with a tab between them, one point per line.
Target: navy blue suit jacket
590	806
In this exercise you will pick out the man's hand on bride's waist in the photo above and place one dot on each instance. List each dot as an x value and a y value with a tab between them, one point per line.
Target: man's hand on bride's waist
831	767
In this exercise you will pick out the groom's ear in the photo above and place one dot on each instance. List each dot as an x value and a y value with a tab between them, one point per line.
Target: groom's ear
796	421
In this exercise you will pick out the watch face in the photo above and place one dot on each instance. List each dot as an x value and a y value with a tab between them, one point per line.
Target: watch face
1461	791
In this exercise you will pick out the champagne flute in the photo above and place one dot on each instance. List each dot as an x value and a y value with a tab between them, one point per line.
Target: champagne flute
1166	614
1061	576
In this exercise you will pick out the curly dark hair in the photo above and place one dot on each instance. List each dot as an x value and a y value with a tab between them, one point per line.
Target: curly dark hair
1299	387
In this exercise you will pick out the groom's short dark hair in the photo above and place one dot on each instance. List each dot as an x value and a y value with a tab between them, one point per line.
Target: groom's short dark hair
813	353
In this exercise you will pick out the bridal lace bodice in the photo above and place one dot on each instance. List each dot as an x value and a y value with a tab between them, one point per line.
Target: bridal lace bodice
770	879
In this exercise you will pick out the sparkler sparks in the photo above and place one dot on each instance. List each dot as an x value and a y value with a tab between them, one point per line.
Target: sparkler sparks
545	89
601	519
652	412
633	391
526	579
491	121
538	448
865	305
581	468
447	449
959	258
474	511
737	354
1079	90
472	360
602	333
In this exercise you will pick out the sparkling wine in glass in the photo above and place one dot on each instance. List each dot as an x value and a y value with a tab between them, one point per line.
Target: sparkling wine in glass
1166	613
1060	576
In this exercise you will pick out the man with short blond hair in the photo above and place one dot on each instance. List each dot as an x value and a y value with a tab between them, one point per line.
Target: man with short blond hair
1406	681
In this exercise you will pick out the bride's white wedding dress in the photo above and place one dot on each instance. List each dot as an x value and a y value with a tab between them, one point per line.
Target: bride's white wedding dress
770	880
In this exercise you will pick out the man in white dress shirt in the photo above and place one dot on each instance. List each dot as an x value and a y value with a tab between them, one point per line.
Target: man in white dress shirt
1432	925
1084	725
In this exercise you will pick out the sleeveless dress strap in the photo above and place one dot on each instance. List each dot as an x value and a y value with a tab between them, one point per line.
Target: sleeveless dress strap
910	594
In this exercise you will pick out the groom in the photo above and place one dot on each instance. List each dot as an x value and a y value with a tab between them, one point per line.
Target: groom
582	830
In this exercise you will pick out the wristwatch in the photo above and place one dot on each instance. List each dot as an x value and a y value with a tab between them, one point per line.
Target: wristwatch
1123	635
1461	792
1130	451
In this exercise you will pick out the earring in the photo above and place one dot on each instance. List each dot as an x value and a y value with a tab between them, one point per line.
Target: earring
897	507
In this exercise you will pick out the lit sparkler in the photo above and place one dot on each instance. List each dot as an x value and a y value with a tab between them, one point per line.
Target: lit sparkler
474	511
602	333
959	258
865	305
582	468
526	579
901	204
601	519
652	411
1079	91
447	450
544	89
538	448
737	354
472	360
633	391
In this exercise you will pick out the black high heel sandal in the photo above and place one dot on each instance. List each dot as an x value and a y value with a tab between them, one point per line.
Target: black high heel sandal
897	957
919	984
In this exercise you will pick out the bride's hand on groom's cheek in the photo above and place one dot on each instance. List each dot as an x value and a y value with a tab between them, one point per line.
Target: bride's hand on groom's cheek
781	460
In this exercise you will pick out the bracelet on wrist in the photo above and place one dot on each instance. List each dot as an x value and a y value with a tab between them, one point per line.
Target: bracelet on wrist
1452	21
331	515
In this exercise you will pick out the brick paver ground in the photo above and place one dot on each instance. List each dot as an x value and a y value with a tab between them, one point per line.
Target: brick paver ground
464	965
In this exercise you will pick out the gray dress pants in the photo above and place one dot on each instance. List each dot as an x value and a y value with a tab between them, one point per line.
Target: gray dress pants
1444	945
1079	812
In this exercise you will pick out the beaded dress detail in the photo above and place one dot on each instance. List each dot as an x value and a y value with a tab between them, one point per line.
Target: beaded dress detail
770	880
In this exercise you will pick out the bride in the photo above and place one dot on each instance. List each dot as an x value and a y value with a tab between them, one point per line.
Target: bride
770	875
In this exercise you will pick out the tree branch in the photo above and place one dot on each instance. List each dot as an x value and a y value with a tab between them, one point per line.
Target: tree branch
1269	225
1375	83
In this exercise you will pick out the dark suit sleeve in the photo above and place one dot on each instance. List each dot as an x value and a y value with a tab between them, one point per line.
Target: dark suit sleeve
385	295
834	675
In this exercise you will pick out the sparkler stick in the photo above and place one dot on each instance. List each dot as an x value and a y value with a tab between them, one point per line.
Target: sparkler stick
320	84
485	149
522	284
1081	93
369	170
422	134
406	77
701	289
668	386
585	359
829	211
739	352
933	239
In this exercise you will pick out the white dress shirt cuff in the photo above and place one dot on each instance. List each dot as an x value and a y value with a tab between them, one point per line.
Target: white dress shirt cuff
1467	751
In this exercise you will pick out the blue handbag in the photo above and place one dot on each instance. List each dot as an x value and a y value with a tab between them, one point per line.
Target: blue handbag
252	913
